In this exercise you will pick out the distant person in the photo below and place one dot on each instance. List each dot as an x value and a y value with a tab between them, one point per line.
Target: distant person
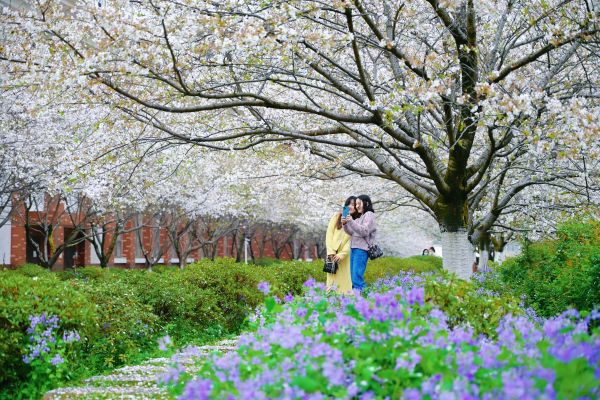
475	265
432	251
362	231
425	252
338	249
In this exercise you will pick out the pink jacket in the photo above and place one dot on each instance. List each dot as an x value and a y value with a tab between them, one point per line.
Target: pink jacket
362	231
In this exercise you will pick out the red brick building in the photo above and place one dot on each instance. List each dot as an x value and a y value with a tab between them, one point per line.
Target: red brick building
50	226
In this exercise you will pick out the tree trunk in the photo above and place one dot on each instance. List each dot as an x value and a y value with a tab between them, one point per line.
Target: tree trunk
296	249
251	251
262	244
321	249
484	252
457	249
458	253
500	242
239	237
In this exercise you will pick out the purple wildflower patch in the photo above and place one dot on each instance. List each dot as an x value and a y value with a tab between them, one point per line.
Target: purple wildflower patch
393	343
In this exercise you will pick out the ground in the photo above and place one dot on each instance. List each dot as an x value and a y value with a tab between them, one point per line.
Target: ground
139	381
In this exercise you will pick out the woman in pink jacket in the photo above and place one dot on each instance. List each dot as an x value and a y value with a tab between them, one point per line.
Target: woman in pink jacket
362	232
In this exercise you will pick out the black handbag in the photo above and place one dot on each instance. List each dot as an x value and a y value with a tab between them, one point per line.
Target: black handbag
330	266
374	252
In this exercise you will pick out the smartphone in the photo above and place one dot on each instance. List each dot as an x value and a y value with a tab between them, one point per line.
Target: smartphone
345	211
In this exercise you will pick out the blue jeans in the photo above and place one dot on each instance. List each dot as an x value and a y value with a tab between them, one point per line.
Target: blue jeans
358	265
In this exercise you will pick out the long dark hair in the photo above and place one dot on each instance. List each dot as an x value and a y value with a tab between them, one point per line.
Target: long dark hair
347	203
367	203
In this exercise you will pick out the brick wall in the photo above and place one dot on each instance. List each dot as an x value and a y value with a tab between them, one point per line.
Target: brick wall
226	247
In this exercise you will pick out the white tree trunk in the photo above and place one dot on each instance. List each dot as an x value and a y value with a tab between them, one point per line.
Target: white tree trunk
457	253
296	250
500	257
483	261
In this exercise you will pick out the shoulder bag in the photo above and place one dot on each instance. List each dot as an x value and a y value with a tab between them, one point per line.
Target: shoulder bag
330	266
374	250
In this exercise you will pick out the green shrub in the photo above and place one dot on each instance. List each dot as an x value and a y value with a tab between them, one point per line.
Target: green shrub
85	274
463	303
554	275
126	324
387	266
120	313
22	296
32	270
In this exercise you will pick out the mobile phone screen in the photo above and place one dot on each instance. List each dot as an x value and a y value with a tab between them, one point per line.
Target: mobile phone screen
345	211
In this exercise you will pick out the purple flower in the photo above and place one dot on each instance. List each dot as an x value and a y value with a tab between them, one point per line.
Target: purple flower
415	295
429	386
489	353
411	394
367	396
408	361
264	287
460	335
57	359
164	342
197	390
518	385
171	376
311	336
71	336
334	373
288	297
301	312
352	390
310	282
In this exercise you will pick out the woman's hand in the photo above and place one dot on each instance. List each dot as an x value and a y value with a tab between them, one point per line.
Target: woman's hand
347	219
337	258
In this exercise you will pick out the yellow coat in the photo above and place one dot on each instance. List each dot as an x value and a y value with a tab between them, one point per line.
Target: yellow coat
338	241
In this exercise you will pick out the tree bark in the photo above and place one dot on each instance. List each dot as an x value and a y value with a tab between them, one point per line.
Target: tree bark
457	250
485	244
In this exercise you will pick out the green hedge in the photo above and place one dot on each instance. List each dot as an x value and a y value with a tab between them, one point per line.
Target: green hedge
554	275
21	296
121	313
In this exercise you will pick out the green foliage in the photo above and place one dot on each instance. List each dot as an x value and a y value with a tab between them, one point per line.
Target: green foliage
387	266
121	313
32	270
395	343
22	296
552	276
85	274
50	351
126	324
463	303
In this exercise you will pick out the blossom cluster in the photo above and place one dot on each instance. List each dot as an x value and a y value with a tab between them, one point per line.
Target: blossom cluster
393	343
45	341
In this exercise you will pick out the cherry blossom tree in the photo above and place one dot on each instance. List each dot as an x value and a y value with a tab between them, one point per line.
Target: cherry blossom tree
459	103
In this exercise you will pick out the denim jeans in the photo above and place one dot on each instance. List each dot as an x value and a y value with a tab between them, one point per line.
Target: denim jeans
358	265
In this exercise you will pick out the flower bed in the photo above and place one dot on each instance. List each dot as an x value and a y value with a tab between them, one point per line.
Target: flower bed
119	314
397	343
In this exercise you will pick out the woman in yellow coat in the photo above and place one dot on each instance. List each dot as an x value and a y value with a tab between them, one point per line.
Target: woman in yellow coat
338	247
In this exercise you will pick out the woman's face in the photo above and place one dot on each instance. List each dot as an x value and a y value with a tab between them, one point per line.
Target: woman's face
352	206
359	206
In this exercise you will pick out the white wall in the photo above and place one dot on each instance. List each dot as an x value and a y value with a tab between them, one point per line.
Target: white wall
512	249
